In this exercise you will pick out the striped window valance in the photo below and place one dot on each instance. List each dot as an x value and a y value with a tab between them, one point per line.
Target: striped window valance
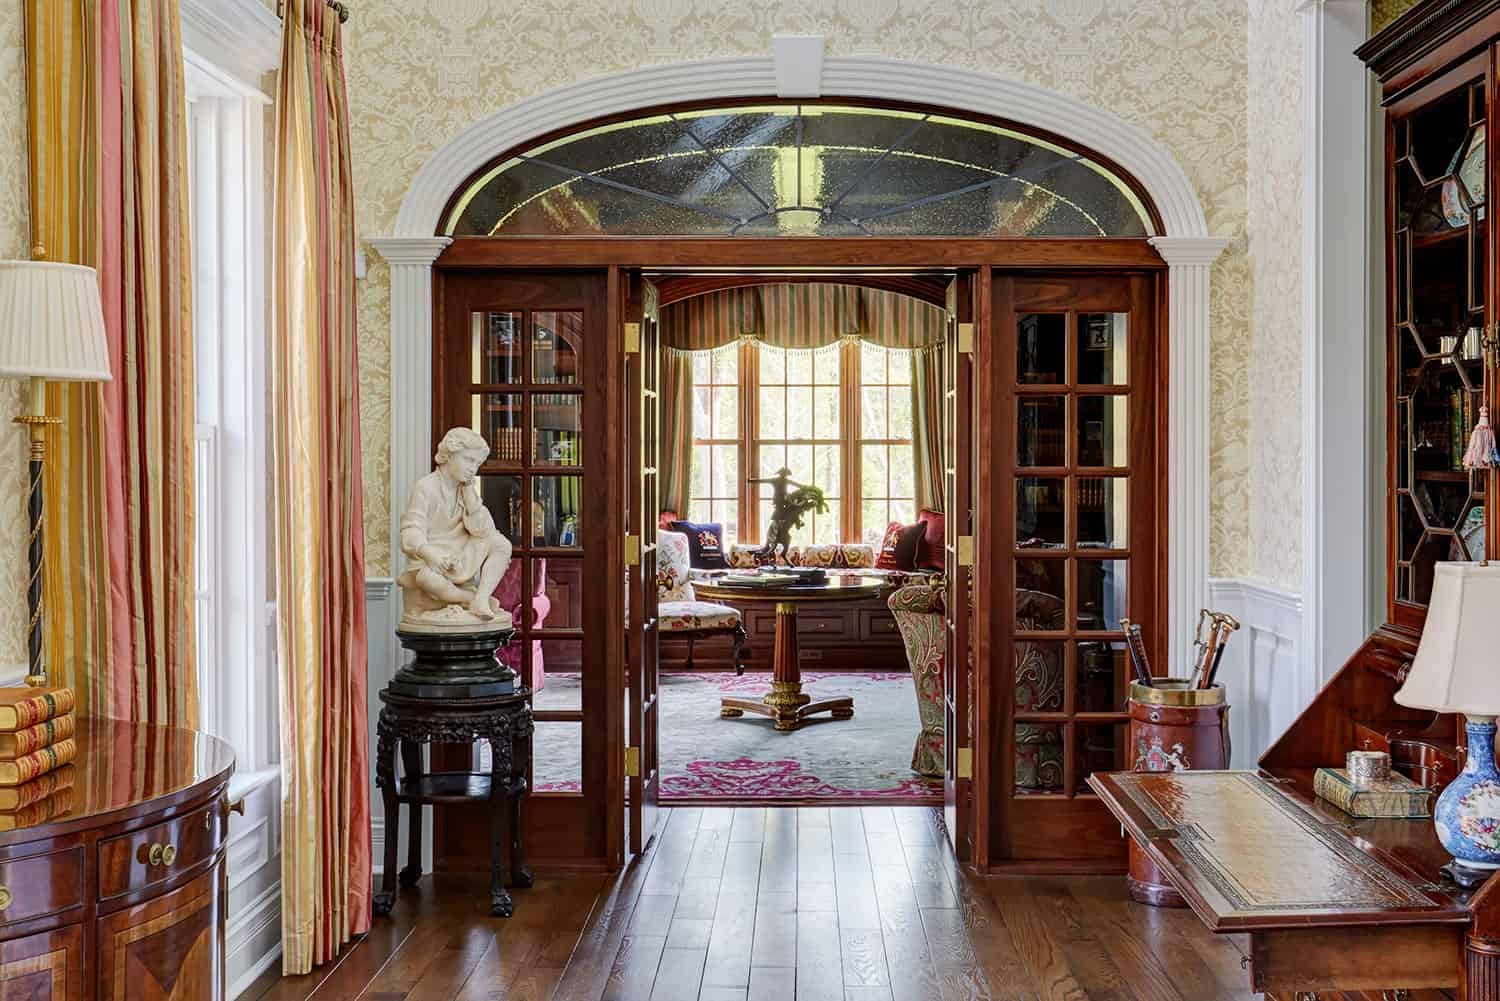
805	315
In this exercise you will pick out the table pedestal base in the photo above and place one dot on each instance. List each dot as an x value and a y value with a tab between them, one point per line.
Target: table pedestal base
787	706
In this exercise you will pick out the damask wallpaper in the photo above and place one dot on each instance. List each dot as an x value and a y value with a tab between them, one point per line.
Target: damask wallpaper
1383	12
419	71
15	240
1273	437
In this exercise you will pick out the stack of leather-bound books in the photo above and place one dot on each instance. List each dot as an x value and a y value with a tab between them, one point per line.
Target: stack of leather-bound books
36	751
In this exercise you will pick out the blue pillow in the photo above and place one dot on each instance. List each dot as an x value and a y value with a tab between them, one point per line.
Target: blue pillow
705	544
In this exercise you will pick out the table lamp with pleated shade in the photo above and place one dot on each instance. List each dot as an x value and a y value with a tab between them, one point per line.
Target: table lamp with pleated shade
1456	671
51	328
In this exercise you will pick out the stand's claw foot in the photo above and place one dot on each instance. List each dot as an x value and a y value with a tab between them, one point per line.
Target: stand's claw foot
410	875
728	713
522	878
382	903
500	905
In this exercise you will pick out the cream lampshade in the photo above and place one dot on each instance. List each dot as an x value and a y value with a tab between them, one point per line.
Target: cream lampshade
1457	669
51	327
52	322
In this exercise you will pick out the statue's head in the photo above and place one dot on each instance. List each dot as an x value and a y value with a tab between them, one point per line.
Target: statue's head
461	452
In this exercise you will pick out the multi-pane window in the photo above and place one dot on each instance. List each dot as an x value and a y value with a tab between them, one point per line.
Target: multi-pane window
715	479
886	476
800	431
838	417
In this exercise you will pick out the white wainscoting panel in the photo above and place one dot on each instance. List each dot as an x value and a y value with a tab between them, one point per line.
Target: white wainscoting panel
253	860
382	611
1261	669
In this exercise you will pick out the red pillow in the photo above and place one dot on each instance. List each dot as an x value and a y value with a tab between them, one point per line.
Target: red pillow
887	558
930	552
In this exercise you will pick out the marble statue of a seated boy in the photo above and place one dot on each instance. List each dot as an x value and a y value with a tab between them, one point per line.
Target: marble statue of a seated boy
457	555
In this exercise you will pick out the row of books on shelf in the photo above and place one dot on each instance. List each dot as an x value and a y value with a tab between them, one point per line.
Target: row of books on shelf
37	747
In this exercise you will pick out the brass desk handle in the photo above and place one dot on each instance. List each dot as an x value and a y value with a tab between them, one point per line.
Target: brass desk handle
169	855
5	898
154	854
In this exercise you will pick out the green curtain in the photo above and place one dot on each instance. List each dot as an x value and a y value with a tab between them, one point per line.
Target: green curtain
927	426
676	452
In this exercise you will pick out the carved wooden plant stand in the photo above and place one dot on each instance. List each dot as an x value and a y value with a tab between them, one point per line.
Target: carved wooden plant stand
503	720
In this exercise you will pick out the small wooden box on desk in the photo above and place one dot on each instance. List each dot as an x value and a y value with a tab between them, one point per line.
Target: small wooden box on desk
98	908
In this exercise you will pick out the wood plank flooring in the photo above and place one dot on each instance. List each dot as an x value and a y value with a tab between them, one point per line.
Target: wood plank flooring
782	904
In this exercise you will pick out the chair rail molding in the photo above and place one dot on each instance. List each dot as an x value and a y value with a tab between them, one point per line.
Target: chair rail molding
1337	340
1185	243
1261	663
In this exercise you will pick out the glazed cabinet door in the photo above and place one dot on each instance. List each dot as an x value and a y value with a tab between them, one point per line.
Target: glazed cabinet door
168	949
44	967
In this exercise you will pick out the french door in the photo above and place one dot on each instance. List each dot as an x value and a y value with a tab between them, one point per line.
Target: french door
1073	545
533	360
959	725
642	423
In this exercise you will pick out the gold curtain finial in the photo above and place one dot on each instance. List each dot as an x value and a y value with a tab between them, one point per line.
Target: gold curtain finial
38	253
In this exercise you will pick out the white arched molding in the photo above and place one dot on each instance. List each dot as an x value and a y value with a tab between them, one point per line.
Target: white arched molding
410	260
1189	262
1184	244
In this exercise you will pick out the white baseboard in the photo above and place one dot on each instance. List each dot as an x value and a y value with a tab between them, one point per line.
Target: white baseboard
253	940
1261	664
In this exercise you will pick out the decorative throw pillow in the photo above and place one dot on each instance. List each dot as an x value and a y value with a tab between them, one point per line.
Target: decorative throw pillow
930	552
705	543
908	545
887	558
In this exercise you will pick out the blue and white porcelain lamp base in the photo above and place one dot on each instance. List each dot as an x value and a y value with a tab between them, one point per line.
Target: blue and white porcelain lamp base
1467	814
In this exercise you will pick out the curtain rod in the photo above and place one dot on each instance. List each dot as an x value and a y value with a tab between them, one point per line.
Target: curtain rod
343	11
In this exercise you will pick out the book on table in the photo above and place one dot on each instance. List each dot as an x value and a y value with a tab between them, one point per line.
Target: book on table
37	763
1395	796
18	743
24	707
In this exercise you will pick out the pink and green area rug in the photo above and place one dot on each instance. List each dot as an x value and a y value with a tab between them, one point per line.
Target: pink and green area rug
707	759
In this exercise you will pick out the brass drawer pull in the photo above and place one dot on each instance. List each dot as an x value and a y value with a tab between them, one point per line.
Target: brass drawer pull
159	854
5	898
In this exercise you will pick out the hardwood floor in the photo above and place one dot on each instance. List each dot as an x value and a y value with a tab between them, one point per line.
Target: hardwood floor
776	904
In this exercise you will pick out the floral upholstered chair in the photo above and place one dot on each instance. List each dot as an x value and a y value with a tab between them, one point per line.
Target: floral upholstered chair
918	610
680	612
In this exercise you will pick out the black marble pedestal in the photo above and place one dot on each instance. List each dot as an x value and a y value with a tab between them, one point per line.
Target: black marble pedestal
454	665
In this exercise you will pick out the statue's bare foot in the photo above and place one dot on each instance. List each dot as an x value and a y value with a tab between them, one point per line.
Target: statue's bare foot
480	606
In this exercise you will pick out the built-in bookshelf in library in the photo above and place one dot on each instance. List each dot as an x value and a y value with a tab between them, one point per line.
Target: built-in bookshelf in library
1440	274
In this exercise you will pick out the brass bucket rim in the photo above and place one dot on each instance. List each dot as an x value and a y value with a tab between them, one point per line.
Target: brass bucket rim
1176	692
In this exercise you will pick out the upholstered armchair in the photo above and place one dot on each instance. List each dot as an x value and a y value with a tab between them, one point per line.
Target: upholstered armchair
508	593
679	612
918	610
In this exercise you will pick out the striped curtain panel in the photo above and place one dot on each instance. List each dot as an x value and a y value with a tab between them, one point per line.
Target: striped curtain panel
320	560
676	451
62	69
704	322
927	390
810	315
107	110
146	270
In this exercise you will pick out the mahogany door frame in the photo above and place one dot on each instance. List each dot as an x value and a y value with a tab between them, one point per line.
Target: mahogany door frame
797	258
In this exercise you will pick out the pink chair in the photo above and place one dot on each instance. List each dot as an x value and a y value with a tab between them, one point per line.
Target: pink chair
508	593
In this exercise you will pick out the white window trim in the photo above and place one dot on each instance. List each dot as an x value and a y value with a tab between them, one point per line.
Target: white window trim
227	151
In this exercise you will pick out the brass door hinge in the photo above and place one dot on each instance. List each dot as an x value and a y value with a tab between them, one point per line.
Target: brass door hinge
632	338
964	766
632	550
965	550
632	762
966	338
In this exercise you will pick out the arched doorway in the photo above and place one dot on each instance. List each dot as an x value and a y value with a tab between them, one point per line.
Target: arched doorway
538	201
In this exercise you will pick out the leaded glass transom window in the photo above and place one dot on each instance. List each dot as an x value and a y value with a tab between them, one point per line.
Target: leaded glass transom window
798	170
